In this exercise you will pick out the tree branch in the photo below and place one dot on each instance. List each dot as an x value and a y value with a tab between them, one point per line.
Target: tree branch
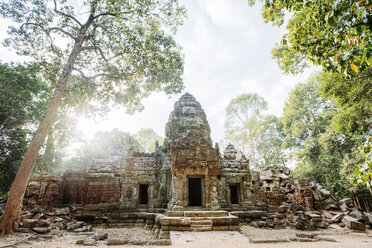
113	14
64	14
86	77
62	31
44	30
96	48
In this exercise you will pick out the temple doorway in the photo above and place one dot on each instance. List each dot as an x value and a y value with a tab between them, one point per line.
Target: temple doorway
143	194
195	191
234	194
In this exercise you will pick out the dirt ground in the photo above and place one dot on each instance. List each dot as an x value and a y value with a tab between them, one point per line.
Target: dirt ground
345	238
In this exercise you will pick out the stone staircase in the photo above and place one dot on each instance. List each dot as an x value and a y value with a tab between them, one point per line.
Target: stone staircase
201	224
199	221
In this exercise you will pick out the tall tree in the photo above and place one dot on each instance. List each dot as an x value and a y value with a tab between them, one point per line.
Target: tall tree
257	135
269	144
119	47
319	151
335	34
242	114
23	98
146	138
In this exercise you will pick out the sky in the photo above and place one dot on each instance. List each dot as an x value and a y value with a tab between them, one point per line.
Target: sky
227	48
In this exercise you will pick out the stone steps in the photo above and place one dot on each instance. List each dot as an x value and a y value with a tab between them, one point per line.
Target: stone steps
200	224
199	221
196	213
200	228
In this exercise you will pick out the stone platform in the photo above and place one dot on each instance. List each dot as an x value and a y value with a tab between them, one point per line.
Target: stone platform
196	221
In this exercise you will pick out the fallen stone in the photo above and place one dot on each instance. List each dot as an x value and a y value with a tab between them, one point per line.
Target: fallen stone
343	207
89	242
325	193
83	229
62	211
369	216
275	240
327	214
100	236
346	201
74	225
356	214
117	242
79	241
43	223
334	226
323	224
337	218
41	230
298	239
27	215
59	219
331	206
29	222
353	223
307	235
314	216
327	239
261	223
160	242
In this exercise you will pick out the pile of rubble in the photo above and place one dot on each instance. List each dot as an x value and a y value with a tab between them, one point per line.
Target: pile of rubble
305	205
43	221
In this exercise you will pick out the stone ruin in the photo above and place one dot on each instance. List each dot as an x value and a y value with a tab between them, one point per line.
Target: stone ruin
186	184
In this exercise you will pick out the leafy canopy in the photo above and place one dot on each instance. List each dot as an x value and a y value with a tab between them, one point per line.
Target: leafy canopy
362	174
257	135
126	47
335	34
353	99
321	154
147	138
23	98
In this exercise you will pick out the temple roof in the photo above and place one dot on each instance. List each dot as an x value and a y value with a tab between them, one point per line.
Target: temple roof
187	118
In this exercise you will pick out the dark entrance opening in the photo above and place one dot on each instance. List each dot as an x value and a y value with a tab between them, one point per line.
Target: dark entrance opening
234	197
143	194
195	192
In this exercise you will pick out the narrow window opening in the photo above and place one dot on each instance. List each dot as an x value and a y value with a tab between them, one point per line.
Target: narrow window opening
143	193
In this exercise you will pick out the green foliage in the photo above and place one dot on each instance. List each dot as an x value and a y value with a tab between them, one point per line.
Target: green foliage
23	98
362	174
255	134
321	154
104	145
270	134
242	115
125	48
146	139
110	142
306	114
335	34
353	99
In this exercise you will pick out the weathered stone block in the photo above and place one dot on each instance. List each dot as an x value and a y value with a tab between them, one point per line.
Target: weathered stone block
353	223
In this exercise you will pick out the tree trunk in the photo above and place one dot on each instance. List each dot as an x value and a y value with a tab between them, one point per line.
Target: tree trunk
14	204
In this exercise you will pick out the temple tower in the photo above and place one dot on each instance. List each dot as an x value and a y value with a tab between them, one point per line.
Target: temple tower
194	162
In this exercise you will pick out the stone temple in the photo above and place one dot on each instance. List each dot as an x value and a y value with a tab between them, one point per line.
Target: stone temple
186	184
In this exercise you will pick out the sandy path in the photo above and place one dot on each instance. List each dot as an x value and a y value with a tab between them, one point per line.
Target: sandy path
345	239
